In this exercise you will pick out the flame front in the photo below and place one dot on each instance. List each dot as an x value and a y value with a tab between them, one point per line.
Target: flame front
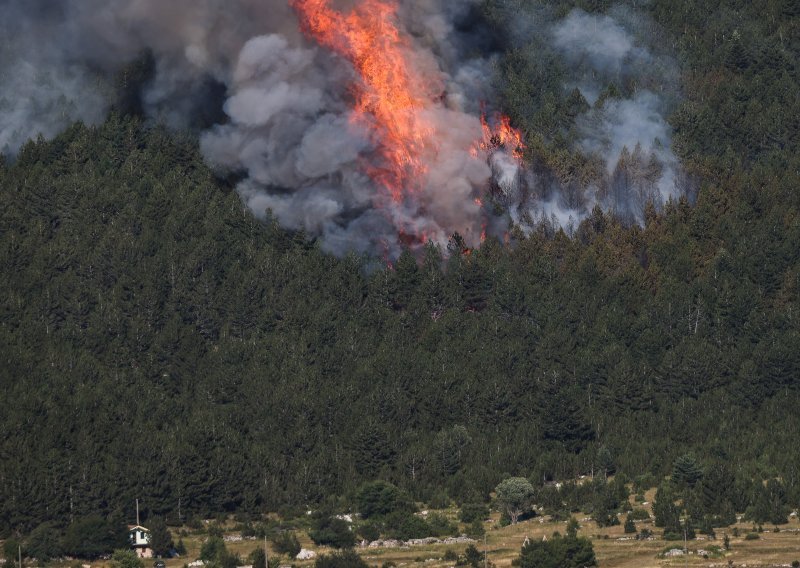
388	95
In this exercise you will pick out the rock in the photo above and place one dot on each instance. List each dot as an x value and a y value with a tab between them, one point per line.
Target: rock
306	554
673	552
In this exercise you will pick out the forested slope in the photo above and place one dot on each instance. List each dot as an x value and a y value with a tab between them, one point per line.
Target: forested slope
159	343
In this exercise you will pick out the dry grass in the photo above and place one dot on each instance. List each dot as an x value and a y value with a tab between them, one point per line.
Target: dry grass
504	543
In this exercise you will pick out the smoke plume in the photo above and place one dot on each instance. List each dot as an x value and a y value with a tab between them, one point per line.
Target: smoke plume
289	123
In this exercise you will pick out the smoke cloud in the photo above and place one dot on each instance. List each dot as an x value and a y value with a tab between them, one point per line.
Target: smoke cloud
286	122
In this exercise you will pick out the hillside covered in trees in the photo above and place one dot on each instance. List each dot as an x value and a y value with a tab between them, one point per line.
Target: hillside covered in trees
157	342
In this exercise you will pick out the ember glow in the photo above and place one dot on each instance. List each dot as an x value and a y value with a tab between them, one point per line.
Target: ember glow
499	134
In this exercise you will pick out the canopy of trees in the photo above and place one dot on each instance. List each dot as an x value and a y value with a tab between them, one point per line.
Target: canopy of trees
158	343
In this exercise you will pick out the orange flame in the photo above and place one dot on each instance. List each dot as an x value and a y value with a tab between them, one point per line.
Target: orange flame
389	93
502	135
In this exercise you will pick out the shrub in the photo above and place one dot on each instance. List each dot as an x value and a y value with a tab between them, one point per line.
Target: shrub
475	529
630	526
751	536
126	559
330	531
407	526
369	531
471	511
287	543
441	526
380	498
639	515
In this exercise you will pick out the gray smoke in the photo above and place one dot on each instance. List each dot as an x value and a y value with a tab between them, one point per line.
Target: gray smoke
626	130
288	124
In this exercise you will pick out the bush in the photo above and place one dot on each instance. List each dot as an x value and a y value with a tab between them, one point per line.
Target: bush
475	529
439	500
44	543
471	511
751	536
287	543
473	556
330	531
639	515
380	498
630	526
407	526
441	526
126	559
91	537
369	531
557	552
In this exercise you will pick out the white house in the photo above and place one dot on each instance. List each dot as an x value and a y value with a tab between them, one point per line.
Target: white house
140	541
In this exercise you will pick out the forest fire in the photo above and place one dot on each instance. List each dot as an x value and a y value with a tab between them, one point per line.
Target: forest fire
391	96
500	134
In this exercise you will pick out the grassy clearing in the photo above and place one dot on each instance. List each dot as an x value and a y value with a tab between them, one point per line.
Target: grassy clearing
503	545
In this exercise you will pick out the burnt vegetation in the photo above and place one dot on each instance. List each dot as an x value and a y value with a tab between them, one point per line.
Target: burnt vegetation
159	343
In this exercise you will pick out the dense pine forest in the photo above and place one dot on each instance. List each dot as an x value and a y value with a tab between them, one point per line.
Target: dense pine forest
159	343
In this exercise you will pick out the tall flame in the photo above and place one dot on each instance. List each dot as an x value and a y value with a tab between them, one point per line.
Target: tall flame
389	94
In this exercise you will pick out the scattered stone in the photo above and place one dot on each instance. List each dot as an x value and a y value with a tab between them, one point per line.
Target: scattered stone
392	543
197	563
306	554
674	552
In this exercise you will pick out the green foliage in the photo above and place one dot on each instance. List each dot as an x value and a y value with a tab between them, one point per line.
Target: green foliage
471	512
380	498
332	531
769	503
44	543
369	531
441	526
286	543
214	550
342	559
686	471
404	526
514	496
629	526
91	537
126	558
475	529
558	552
473	557
160	537
257	558
572	527
129	273
11	552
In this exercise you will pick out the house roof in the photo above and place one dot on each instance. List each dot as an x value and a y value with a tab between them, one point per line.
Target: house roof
139	527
